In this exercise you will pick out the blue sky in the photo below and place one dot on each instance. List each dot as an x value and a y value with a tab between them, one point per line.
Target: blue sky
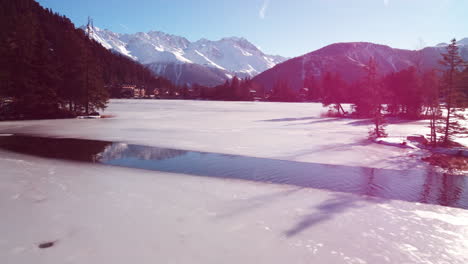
285	27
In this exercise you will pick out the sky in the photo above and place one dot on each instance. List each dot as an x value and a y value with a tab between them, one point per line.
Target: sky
281	27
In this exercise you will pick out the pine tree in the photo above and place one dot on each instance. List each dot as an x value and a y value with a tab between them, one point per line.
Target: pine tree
404	93
185	92
362	102
47	77
374	88
451	92
97	94
412	94
314	88
334	88
246	86
282	92
234	90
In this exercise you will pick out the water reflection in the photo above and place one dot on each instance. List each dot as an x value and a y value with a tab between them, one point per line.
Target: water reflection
119	151
55	148
412	185
452	188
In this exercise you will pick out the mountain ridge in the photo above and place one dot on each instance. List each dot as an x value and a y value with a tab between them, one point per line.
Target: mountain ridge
234	55
348	60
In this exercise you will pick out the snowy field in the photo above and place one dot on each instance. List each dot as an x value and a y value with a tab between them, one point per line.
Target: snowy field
103	214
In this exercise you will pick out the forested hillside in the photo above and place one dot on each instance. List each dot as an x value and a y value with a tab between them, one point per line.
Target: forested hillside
49	68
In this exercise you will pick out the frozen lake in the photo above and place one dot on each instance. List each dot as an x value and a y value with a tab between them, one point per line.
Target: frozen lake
223	182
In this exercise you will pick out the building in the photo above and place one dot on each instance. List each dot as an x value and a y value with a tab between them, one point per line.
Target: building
139	93
127	91
132	91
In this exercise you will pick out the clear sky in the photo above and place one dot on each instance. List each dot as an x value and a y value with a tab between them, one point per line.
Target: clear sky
285	27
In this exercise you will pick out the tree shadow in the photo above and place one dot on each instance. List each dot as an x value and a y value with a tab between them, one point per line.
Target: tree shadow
389	120
406	161
288	119
252	203
339	203
329	147
323	120
363	122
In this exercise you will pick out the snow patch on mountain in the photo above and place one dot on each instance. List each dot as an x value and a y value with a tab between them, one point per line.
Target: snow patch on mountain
210	62
110	40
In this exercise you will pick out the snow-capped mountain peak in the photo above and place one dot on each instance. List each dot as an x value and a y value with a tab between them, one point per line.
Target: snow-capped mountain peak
235	55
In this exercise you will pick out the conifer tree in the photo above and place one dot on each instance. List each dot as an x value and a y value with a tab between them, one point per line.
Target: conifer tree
282	92
333	92
234	90
314	88
185	92
245	86
451	91
374	88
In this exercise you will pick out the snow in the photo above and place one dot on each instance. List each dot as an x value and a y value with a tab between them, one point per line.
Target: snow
250	70
109	40
209	61
232	54
396	142
105	214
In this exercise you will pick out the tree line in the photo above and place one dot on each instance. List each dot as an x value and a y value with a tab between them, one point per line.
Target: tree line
49	68
441	96
235	89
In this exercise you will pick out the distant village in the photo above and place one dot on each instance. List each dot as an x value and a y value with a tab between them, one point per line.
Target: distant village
141	92
133	91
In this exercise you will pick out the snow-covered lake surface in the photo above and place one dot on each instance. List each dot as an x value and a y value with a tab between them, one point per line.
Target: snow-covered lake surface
106	214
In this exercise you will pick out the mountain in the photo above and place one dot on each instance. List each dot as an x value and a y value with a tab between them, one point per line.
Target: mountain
461	42
349	59
204	61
